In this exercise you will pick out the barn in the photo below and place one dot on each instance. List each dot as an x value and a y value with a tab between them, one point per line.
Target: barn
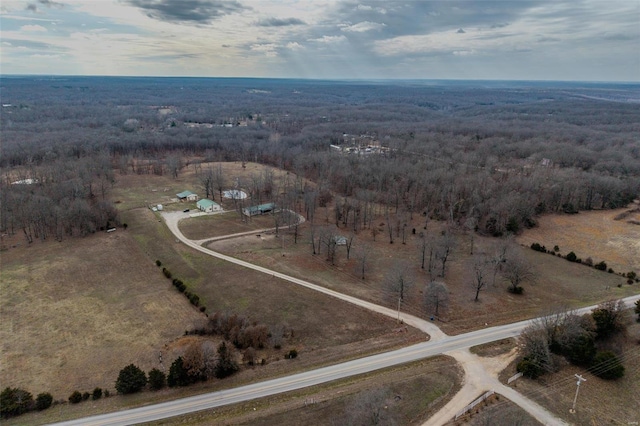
187	196
208	206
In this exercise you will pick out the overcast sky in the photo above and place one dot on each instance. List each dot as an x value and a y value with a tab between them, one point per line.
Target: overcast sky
334	39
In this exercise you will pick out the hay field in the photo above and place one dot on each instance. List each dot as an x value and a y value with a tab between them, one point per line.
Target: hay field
75	312
596	234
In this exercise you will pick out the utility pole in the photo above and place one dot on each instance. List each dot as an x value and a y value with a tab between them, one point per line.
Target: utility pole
580	379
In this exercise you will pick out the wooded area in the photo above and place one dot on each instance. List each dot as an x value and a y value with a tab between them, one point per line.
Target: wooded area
489	156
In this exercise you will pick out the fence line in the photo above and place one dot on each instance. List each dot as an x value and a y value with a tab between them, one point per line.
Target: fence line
514	378
469	407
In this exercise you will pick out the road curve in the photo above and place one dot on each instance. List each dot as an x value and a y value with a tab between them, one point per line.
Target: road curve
440	343
172	219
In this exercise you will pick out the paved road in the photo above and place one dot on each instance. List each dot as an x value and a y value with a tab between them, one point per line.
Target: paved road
440	343
301	380
318	376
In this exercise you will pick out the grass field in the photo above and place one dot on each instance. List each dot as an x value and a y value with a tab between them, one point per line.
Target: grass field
558	282
74	313
596	234
202	227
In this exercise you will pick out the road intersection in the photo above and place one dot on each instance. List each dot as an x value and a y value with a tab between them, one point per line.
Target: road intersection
476	377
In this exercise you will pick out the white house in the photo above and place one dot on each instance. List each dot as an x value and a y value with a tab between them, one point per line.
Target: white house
208	206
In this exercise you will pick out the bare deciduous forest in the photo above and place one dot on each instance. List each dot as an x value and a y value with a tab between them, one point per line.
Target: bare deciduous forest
490	156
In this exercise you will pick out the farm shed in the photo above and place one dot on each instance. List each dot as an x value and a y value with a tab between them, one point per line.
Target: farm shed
187	196
208	206
260	209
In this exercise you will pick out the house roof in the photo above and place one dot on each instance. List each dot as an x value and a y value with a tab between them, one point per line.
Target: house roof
184	194
204	203
261	207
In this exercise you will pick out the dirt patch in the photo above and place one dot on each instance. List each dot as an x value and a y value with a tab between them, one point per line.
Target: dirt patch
499	347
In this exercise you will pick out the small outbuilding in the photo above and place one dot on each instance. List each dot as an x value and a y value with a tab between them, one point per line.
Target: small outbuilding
187	196
259	209
208	206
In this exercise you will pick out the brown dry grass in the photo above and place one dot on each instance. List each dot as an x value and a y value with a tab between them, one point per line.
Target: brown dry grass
558	282
199	228
75	312
498	410
414	392
594	234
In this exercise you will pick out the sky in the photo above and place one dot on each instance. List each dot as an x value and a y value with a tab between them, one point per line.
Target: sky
575	40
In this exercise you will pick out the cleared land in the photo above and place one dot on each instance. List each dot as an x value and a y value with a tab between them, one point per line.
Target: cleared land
609	235
558	282
75	312
80	307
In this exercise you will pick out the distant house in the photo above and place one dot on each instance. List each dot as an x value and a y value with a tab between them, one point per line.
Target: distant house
260	209
208	206
340	240
187	196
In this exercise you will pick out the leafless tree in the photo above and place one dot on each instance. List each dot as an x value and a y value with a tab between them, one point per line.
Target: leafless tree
219	180
174	164
249	356
499	258
207	181
436	298
362	255
193	359
480	270
349	244
517	270
535	347
445	245
398	281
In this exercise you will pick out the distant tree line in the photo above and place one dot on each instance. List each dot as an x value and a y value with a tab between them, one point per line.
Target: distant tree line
60	198
497	156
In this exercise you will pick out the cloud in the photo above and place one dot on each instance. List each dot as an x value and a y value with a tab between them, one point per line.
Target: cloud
362	27
32	45
277	22
329	39
33	28
463	52
169	57
33	7
269	49
294	45
187	11
460	31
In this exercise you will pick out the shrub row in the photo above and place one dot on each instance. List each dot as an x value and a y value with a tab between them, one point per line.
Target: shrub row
238	329
572	257
76	396
194	299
